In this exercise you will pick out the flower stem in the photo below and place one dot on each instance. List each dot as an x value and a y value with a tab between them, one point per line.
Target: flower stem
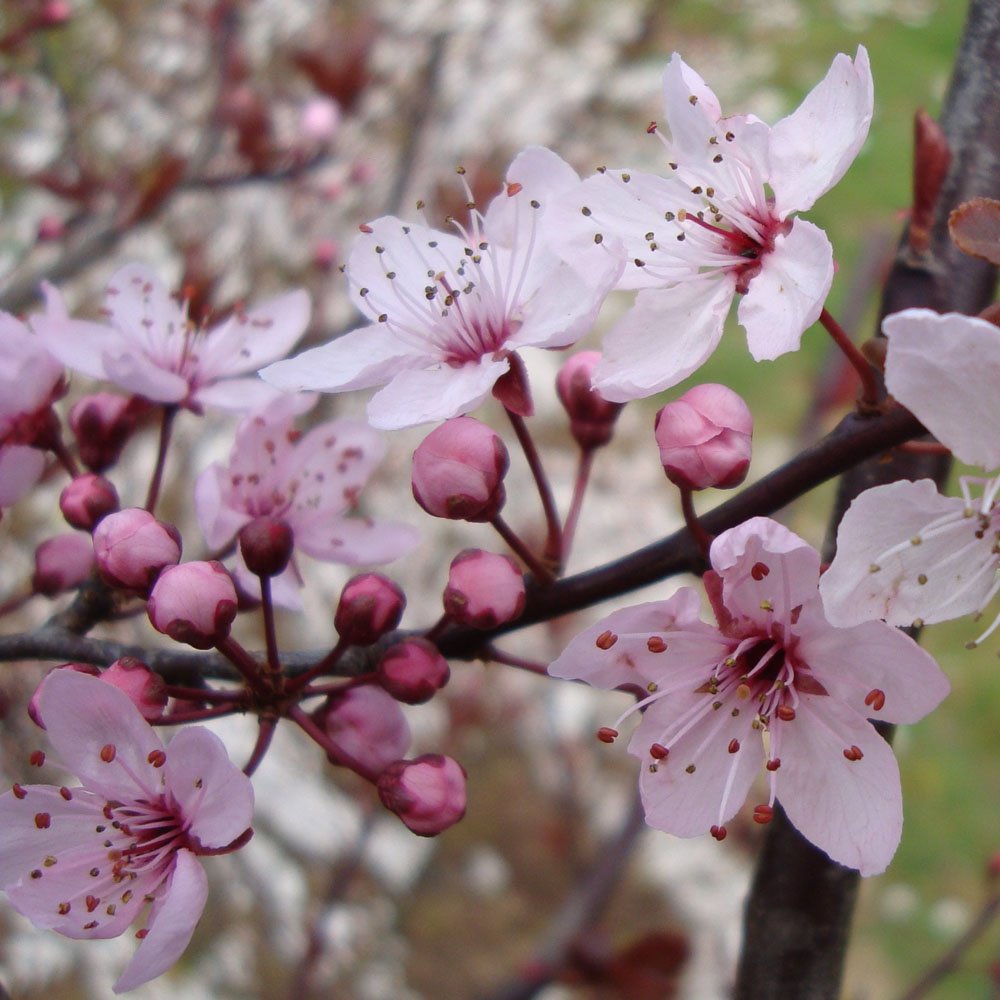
553	545
244	663
270	634
510	660
870	389
325	664
265	733
579	489
542	573
300	718
700	535
166	425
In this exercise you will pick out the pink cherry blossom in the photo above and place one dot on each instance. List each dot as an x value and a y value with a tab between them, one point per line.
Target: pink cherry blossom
774	665
148	345
720	224
904	552
30	380
449	311
312	482
87	861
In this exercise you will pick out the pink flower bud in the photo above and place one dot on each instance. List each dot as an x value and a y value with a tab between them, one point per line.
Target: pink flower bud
102	424
132	547
82	668
370	605
86	500
319	119
266	545
427	793
458	471
325	254
62	563
704	438
55	12
591	417
367	725
484	589
194	603
146	689
413	671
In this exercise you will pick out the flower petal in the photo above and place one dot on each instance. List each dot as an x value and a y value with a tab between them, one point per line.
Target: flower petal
852	662
215	795
628	660
812	148
851	809
944	369
174	917
87	722
786	297
355	541
419	397
668	334
702	783
249	340
20	468
370	355
889	565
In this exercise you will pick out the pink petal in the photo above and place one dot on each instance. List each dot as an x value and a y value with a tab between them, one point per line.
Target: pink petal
87	721
142	308
175	915
78	344
668	334
408	250
787	296
126	366
20	468
812	148
214	794
851	809
369	356
541	176
944	369
767	571
691	123
419	397
565	303
851	663
355	541
218	521
247	341
237	395
879	573
701	784
627	660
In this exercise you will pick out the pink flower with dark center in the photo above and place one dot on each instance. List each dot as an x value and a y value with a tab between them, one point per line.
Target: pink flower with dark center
30	381
448	312
148	345
773	684
720	223
88	861
906	553
312	482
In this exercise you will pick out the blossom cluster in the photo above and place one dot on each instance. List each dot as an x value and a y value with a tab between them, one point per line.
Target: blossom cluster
791	681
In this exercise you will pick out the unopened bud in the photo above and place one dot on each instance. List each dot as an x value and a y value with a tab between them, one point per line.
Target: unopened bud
193	603
50	228
484	589
591	417
704	438
145	689
266	545
102	423
370	605
87	499
427	793
131	548
458	471
367	724
413	671
62	563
